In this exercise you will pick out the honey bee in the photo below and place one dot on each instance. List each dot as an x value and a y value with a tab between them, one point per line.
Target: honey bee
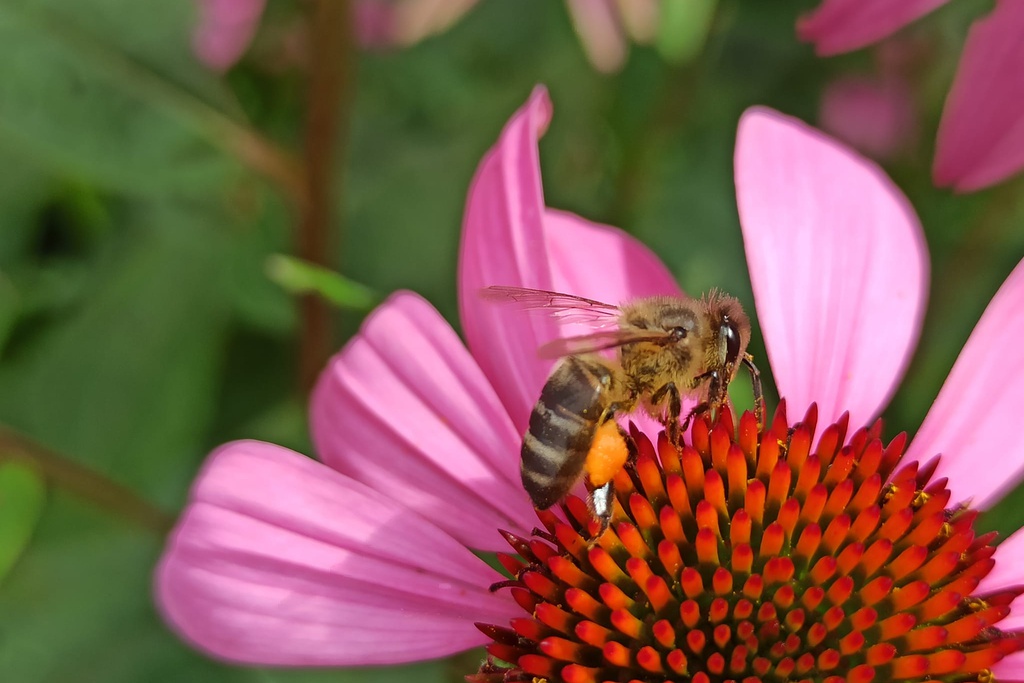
667	348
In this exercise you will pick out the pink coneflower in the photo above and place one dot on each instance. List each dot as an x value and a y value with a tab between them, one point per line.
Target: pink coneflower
797	553
981	135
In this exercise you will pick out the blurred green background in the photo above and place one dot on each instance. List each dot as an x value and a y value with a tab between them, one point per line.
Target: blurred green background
142	195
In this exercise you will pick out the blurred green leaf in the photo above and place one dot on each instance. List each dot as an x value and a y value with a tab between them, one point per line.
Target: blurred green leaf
10	307
78	607
23	189
126	383
157	36
425	672
301	277
683	28
83	95
22	495
255	299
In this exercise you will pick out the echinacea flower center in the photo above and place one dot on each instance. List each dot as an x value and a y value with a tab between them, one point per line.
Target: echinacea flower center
745	557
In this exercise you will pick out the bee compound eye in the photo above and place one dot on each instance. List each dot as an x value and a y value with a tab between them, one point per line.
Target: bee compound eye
731	335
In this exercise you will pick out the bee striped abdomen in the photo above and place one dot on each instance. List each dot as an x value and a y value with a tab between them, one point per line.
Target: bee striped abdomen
561	430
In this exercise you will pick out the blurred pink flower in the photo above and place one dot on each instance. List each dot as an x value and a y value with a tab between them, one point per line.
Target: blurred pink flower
364	559
874	115
605	27
224	30
387	23
981	135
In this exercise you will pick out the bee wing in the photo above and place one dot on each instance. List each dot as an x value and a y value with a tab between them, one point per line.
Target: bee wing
566	308
598	341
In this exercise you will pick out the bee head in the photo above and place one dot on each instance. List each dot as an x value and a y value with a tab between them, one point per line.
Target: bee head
732	332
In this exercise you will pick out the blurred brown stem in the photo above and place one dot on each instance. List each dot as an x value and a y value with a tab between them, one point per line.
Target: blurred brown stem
264	157
84	482
327	109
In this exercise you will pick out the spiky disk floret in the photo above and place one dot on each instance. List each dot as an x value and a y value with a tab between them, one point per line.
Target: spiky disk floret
748	558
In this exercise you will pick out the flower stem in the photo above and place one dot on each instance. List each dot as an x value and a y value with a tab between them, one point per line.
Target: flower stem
327	113
84	482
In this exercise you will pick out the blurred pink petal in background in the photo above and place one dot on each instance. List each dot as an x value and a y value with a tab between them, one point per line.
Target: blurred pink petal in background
874	115
374	21
224	30
606	26
842	25
385	23
981	137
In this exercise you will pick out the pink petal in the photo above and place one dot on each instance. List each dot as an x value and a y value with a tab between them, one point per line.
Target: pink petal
1009	561
981	136
844	25
224	30
602	262
405	409
503	244
975	421
1006	574
279	560
600	29
836	255
1011	667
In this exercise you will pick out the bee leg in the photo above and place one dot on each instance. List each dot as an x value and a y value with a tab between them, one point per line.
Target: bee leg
602	500
675	409
630	447
755	381
718	396
698	409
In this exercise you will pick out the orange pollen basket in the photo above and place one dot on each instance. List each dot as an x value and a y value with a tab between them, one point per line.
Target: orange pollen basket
750	557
